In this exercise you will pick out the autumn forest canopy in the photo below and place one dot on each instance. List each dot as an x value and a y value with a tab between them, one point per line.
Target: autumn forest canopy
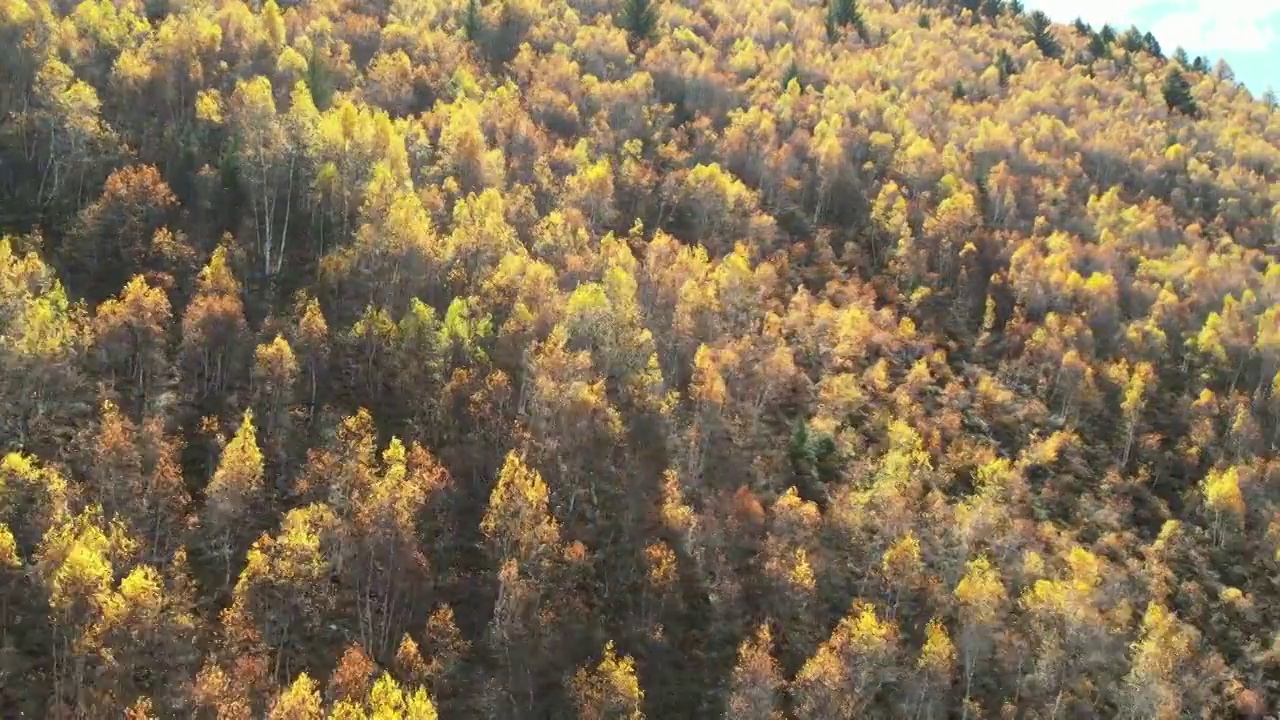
755	359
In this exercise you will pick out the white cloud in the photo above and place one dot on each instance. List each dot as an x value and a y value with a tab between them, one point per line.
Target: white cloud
1249	27
1200	26
1118	13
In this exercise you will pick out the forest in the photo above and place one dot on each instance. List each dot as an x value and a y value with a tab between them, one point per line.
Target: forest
622	359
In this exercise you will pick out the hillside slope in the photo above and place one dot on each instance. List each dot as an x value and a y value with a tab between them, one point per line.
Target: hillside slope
620	359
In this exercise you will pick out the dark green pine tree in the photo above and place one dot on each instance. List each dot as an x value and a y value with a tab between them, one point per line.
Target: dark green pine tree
1098	46
1201	64
640	19
1016	8
815	460
319	81
1180	56
826	457
156	10
472	24
842	14
1152	46
798	450
992	9
1041	29
1082	27
1108	34
793	73
1131	40
1005	66
1177	94
972	6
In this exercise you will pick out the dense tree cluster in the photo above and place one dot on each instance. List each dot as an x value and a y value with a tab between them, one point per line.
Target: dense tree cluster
648	358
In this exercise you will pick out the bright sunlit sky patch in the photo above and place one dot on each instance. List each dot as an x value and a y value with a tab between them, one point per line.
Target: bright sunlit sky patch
1245	33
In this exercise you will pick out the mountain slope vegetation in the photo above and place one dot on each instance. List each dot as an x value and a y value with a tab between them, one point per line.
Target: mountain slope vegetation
632	358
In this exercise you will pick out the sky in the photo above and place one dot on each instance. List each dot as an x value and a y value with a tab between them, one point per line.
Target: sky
1245	33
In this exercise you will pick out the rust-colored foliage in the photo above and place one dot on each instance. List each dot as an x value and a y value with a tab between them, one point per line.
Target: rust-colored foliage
695	358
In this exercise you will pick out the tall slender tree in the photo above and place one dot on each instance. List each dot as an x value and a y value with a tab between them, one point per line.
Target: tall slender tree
640	19
1041	29
844	14
1177	93
472	23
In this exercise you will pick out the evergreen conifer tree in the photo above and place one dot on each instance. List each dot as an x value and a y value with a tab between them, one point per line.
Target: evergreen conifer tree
1177	93
1131	40
843	14
793	73
1152	45
1041	29
1098	46
640	19
1004	64
472	24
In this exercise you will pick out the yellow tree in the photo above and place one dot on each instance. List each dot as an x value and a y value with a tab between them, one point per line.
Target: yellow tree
713	204
901	569
850	671
1074	643
274	377
33	500
892	235
343	475
1223	500
445	645
114	236
1136	385
790	549
282	602
12	571
311	338
214	348
45	340
299	701
76	564
130	343
266	160
610	690
378	501
390	572
935	669
981	595
518	524
147	633
136	476
420	363
756	682
387	699
71	141
1158	661
233	498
